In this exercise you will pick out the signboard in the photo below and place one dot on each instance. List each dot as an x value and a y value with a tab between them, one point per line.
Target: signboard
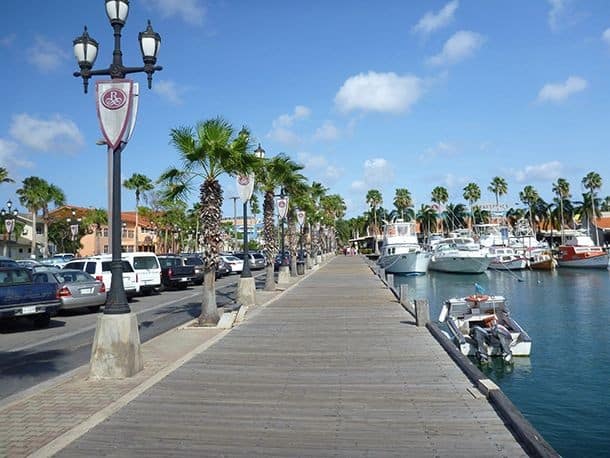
74	230
9	224
301	217
282	206
245	187
114	103
493	207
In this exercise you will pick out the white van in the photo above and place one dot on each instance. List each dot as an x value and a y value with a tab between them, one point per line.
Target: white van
146	265
99	267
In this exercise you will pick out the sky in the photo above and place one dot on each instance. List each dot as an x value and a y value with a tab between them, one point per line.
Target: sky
384	95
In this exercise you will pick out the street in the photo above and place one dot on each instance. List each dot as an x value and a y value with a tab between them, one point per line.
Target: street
29	356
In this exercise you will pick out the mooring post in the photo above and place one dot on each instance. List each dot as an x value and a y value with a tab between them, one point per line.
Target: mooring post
404	294
422	312
390	280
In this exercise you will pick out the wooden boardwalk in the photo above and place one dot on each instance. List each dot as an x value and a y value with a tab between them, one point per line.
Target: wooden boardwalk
335	367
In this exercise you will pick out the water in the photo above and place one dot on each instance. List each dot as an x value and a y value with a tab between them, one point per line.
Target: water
563	387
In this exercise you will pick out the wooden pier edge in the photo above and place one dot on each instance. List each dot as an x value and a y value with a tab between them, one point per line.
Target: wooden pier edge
524	432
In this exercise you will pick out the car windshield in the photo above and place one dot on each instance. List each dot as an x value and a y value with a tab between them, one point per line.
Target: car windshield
258	256
126	266
71	276
169	262
232	258
193	261
145	262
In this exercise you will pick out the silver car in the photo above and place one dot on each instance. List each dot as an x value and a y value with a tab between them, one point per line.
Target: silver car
76	289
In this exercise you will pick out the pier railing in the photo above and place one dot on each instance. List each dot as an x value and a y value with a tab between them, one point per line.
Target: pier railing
529	438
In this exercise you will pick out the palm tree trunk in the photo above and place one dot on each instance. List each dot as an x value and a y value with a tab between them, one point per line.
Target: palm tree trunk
292	243
269	235
33	247
137	222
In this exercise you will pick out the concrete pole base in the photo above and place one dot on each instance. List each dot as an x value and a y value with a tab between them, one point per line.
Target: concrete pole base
284	275
319	259
116	349
246	291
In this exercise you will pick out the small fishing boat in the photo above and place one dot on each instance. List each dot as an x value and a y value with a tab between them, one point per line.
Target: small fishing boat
541	259
481	326
505	258
579	250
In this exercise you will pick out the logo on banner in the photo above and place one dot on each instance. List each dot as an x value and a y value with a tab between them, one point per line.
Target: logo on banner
245	187
115	109
301	217
113	99
9	224
282	206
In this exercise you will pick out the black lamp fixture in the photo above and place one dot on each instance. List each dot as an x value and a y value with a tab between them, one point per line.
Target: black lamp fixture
9	222
74	224
85	48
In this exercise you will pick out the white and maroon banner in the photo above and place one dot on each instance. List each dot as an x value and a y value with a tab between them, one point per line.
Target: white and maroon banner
134	111
114	103
9	225
245	186
282	206
301	217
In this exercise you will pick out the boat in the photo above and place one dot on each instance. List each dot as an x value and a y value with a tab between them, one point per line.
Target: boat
491	234
400	252
579	250
459	254
505	258
482	326
541	259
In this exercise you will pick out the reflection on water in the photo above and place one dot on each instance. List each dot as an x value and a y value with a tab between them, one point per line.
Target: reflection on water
563	387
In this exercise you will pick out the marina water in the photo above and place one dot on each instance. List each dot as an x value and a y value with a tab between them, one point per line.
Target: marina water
563	388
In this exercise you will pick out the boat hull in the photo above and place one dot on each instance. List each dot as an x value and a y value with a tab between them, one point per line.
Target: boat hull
592	262
459	265
548	264
406	263
514	264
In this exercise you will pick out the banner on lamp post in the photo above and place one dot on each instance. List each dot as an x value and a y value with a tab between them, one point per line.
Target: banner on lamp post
282	207
9	225
74	230
245	187
114	102
301	217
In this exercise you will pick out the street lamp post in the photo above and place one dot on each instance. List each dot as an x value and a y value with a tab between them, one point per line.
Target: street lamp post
116	355
74	223
9	224
282	206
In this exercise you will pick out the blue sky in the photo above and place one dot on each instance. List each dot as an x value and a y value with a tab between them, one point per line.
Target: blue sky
393	94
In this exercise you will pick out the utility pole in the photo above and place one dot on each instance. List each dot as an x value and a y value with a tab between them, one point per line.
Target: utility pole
234	237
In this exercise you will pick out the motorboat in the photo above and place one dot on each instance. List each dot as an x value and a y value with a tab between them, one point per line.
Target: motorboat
541	259
579	250
491	234
523	238
505	258
400	252
459	254
482	326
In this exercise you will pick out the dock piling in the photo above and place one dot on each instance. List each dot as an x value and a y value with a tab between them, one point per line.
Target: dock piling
422	312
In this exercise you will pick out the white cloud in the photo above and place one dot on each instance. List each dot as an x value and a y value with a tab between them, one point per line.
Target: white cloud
558	11
358	186
190	11
7	40
381	92
327	131
377	172
440	149
281	125
9	156
606	36
318	168
56	134
557	92
170	91
46	56
433	21
460	46
541	172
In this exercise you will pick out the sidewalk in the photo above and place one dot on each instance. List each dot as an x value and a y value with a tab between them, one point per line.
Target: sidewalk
68	406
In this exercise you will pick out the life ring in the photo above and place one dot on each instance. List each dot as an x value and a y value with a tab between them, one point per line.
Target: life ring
477	298
490	321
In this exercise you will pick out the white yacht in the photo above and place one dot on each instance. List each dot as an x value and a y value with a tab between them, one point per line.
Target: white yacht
505	258
459	255
491	234
400	252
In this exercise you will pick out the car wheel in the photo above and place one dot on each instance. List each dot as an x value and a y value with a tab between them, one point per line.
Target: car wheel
42	320
94	308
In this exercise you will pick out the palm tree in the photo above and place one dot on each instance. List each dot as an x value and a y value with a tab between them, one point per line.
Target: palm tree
207	151
562	190
4	176
374	199
498	186
593	181
403	201
51	193
333	208
31	197
440	196
529	196
472	193
274	173
456	216
140	183
295	185
427	218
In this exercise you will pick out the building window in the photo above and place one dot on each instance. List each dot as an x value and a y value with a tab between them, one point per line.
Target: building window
105	232
106	249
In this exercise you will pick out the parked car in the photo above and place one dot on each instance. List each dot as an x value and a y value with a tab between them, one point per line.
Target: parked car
198	266
174	274
8	262
146	265
223	268
76	289
278	260
21	297
257	260
99	268
236	264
